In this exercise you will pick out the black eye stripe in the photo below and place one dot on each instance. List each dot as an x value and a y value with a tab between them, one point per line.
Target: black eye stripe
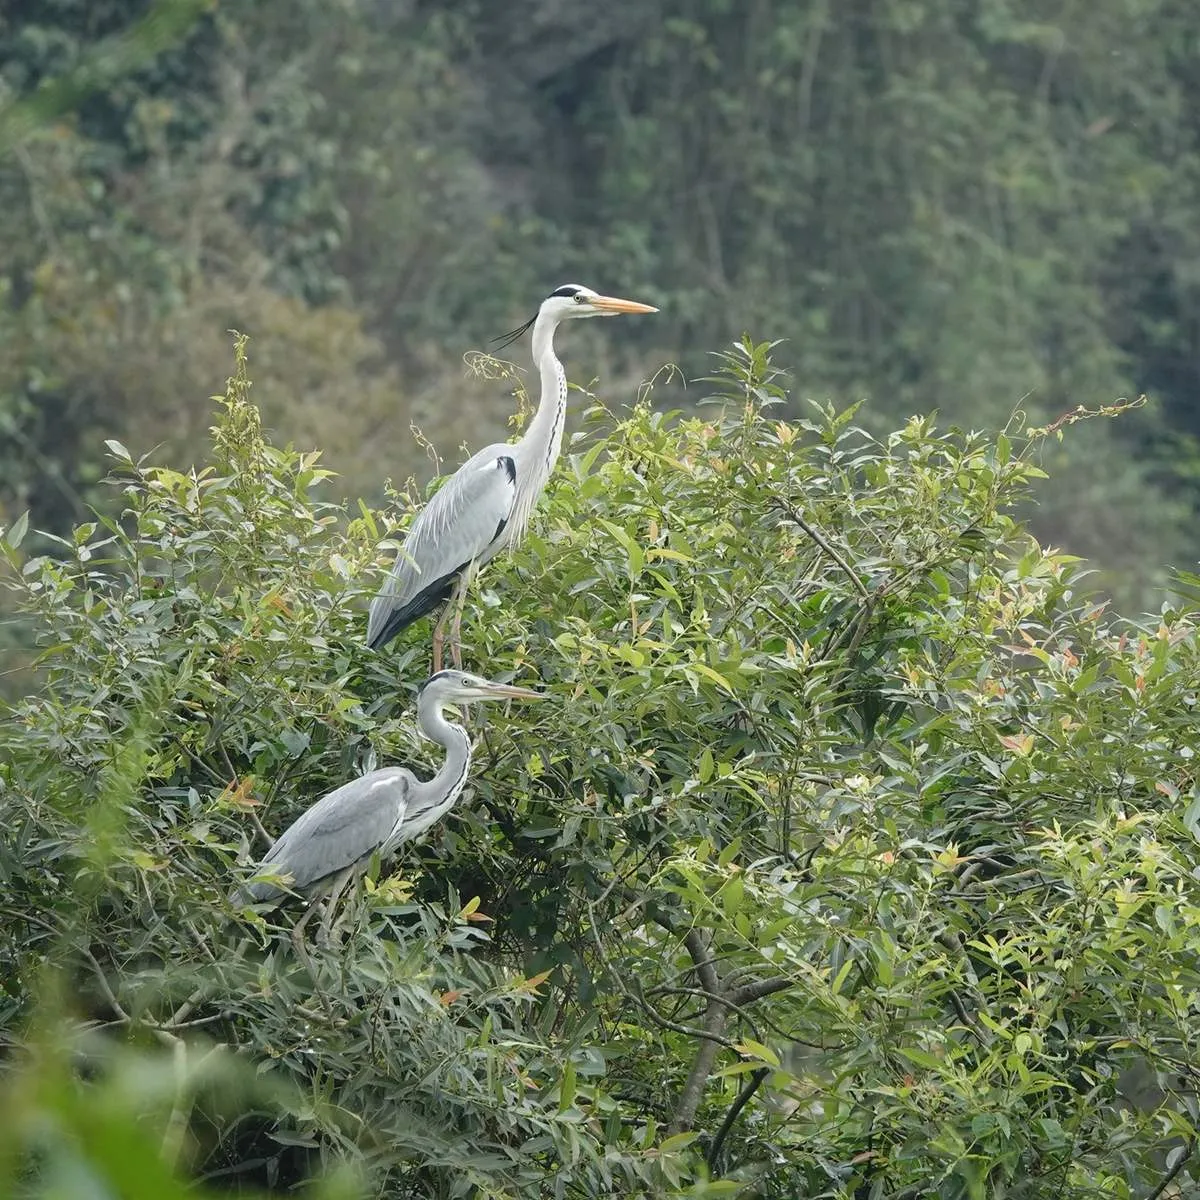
567	292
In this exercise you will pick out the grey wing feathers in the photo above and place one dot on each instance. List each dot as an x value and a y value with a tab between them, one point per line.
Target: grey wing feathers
461	525
342	828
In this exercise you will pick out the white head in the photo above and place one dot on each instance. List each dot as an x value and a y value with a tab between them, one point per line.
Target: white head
451	687
572	301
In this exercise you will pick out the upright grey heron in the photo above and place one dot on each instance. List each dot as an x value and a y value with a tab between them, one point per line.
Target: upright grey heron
324	847
486	503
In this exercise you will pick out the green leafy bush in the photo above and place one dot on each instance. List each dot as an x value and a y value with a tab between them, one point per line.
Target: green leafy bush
852	858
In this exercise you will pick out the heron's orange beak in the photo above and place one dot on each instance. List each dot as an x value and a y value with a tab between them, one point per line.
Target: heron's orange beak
516	693
614	305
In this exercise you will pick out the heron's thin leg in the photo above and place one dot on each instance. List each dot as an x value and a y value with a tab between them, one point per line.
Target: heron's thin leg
331	898
439	632
344	911
459	601
298	940
302	955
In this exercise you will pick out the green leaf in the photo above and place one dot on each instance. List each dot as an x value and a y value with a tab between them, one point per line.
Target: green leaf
677	1142
753	1049
566	1088
15	534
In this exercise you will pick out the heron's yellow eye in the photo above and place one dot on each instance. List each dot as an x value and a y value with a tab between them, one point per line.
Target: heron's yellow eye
580	298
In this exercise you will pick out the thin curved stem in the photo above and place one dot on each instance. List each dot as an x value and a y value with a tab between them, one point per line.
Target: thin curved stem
743	1098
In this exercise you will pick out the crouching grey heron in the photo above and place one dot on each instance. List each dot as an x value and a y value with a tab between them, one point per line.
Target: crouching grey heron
486	503
327	844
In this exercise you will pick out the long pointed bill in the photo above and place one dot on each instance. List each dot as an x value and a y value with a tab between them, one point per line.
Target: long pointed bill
614	305
508	691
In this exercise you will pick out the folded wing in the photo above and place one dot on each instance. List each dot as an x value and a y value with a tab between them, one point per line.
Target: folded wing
343	828
461	527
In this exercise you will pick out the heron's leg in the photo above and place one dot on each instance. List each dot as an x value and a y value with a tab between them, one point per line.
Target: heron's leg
302	955
439	633
336	888
459	600
344	913
298	940
456	638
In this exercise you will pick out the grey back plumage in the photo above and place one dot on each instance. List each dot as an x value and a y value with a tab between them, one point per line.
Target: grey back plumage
383	808
462	527
341	830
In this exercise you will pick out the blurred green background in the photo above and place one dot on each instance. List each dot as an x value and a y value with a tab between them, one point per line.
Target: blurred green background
975	206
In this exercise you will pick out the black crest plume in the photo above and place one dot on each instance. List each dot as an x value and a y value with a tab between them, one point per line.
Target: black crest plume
505	340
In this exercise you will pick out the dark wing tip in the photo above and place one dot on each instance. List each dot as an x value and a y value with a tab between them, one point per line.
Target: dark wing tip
425	601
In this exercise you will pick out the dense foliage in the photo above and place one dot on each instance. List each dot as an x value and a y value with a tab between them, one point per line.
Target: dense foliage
968	205
853	856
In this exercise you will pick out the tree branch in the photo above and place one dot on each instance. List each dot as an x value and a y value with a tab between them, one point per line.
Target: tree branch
749	992
647	1007
739	1009
794	515
715	1015
743	1098
721	1002
705	966
706	1055
123	1018
1169	1178
716	1040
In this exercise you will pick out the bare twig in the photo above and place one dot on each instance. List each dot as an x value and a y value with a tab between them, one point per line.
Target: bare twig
180	1015
864	617
794	515
268	840
750	992
736	1003
969	1022
1188	1150
646	1006
161	1032
709	1037
743	1098
109	995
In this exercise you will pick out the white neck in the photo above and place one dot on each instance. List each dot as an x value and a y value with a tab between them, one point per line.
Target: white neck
453	775
538	449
